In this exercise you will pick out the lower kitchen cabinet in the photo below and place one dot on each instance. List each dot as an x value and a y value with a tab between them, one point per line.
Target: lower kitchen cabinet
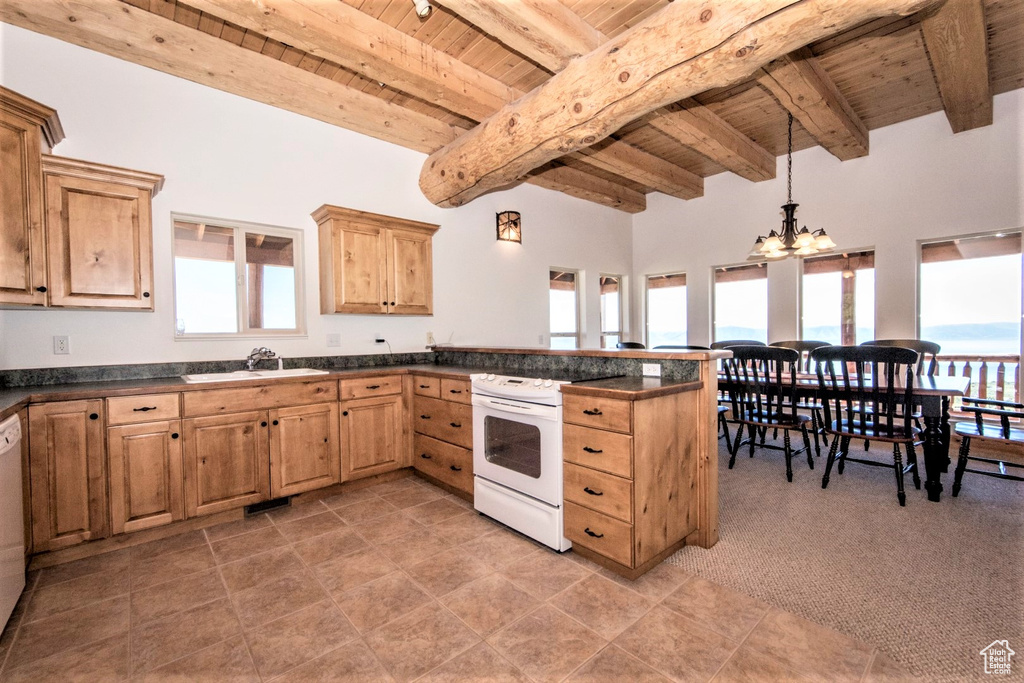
303	448
145	475
371	436
68	476
227	461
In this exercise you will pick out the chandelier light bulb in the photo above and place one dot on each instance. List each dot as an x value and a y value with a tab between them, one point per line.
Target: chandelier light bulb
823	242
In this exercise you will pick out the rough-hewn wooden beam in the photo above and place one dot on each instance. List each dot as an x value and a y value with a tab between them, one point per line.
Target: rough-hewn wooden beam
342	34
123	31
578	183
804	88
551	34
957	43
680	51
649	170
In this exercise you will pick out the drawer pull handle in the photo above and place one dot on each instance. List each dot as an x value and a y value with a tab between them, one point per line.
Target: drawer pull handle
455	391
373	386
144	409
457	425
588	532
424	417
425	456
587	489
456	468
424	386
588	449
592	412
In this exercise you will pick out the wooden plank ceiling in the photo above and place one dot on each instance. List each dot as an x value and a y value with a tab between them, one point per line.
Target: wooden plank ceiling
876	74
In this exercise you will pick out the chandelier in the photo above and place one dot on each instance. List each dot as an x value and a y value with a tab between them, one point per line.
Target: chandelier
790	241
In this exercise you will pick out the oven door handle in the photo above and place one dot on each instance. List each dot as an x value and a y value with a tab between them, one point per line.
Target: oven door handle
528	411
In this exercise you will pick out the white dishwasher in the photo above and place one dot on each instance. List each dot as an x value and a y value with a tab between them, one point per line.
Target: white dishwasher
12	519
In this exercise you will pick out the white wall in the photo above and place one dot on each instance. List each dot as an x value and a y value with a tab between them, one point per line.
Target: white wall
227	157
919	182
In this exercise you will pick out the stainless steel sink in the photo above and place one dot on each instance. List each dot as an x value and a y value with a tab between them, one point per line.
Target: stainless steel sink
242	375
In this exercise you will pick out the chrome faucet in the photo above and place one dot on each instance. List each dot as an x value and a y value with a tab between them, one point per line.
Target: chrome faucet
256	356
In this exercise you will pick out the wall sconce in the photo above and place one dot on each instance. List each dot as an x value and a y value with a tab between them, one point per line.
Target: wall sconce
510	227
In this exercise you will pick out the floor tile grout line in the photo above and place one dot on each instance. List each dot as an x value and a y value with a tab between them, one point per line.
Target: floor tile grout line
867	667
17	631
740	646
234	610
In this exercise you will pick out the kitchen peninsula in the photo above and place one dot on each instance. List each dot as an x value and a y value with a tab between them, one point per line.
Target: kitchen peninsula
650	442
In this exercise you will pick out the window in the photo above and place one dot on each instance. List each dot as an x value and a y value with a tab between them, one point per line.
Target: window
970	300
564	304
741	302
234	278
666	310
611	310
838	298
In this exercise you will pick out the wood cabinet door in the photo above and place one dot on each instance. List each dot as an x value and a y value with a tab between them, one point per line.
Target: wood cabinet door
227	462
146	486
22	248
304	448
371	436
410	273
99	238
68	477
359	273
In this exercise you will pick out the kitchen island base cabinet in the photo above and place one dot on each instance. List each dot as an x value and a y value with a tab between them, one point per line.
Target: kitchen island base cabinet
68	474
145	475
303	448
227	462
371	436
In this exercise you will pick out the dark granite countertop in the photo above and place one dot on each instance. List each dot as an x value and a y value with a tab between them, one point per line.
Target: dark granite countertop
631	387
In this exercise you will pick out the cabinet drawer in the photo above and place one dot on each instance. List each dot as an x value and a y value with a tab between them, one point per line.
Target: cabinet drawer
603	413
456	390
597	448
426	386
444	420
600	533
126	410
366	387
599	491
224	401
443	461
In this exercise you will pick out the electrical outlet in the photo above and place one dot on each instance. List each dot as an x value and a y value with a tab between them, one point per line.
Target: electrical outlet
652	369
334	339
430	339
61	345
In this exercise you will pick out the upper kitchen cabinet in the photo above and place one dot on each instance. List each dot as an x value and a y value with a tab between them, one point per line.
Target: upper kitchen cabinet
99	234
27	130
374	264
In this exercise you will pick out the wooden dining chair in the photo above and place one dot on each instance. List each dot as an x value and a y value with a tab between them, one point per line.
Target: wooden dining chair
761	383
927	364
863	391
804	348
736	342
686	347
629	345
979	429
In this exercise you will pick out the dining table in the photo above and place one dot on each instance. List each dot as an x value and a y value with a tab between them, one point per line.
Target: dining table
933	394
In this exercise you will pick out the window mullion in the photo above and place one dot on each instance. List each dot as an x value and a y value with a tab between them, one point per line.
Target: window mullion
240	283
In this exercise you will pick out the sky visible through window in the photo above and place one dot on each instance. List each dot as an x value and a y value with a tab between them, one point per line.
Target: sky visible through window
205	295
741	310
666	316
822	306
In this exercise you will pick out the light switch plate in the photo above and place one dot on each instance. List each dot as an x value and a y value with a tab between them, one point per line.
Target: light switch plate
334	339
652	369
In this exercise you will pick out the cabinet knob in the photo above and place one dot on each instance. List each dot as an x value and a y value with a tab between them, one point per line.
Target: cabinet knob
263	424
40	289
145	294
174	435
588	532
275	423
392	303
383	303
425	456
94	416
456	468
344	413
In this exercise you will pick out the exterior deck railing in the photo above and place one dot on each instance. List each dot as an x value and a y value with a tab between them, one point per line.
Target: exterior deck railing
993	377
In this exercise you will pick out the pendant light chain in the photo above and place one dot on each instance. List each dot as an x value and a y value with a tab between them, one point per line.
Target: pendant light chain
789	163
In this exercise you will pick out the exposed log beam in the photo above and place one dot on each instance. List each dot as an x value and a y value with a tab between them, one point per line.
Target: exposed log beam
682	50
138	36
123	31
649	170
957	42
552	35
343	34
578	183
804	88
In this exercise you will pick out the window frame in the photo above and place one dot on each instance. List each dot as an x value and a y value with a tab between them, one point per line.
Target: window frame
577	335
619	331
714	293
647	302
297	235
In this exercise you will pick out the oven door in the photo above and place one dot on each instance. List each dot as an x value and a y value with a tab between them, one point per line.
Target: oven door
519	445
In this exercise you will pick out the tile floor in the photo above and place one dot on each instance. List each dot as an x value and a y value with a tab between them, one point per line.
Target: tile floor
398	582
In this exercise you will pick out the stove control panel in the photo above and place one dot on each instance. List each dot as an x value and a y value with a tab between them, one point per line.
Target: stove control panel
523	387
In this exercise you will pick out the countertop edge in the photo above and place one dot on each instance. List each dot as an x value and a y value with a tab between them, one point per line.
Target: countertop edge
595	390
714	354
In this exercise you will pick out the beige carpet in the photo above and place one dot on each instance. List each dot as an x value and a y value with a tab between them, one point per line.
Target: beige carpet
931	584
